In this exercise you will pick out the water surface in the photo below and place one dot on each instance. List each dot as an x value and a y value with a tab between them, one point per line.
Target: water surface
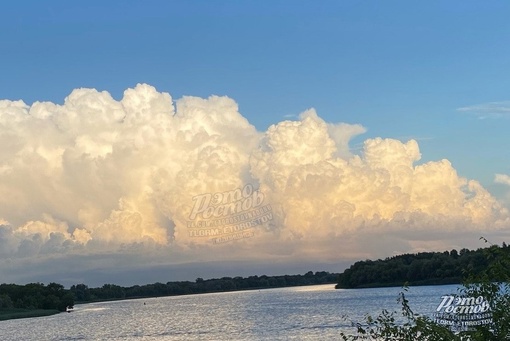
297	313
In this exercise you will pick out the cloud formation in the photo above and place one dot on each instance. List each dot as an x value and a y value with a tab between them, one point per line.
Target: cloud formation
96	174
502	179
488	110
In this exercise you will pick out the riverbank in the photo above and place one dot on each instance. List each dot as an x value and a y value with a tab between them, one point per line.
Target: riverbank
14	313
54	295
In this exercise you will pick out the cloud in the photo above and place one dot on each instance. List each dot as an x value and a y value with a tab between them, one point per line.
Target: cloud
502	179
96	176
488	110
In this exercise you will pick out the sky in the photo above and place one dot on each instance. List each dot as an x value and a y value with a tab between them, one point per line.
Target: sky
145	141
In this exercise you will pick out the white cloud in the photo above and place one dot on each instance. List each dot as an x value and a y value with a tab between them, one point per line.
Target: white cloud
502	179
96	175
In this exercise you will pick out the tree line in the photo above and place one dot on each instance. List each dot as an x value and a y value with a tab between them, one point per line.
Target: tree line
83	293
35	296
54	296
424	268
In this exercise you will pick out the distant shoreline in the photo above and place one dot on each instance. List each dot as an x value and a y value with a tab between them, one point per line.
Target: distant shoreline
202	293
25	301
16	313
82	293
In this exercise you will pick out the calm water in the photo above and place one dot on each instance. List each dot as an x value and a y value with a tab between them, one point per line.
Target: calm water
298	313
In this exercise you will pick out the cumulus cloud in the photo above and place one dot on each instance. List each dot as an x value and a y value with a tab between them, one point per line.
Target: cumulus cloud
95	174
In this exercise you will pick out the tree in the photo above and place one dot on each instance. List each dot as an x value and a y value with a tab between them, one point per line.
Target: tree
492	284
81	292
5	301
67	301
51	302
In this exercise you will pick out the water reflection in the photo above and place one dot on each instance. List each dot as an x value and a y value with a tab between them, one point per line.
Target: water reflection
298	313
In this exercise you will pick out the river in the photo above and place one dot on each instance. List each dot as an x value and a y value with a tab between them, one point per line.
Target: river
297	313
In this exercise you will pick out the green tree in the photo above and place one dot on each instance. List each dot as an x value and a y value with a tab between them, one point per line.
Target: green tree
67	301
81	292
5	301
493	284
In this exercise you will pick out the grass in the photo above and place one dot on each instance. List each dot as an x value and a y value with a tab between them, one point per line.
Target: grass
15	313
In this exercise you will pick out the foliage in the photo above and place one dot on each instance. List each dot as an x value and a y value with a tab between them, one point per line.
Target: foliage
492	284
83	293
35	296
425	268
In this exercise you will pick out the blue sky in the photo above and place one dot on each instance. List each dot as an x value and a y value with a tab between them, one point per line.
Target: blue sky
399	68
435	71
